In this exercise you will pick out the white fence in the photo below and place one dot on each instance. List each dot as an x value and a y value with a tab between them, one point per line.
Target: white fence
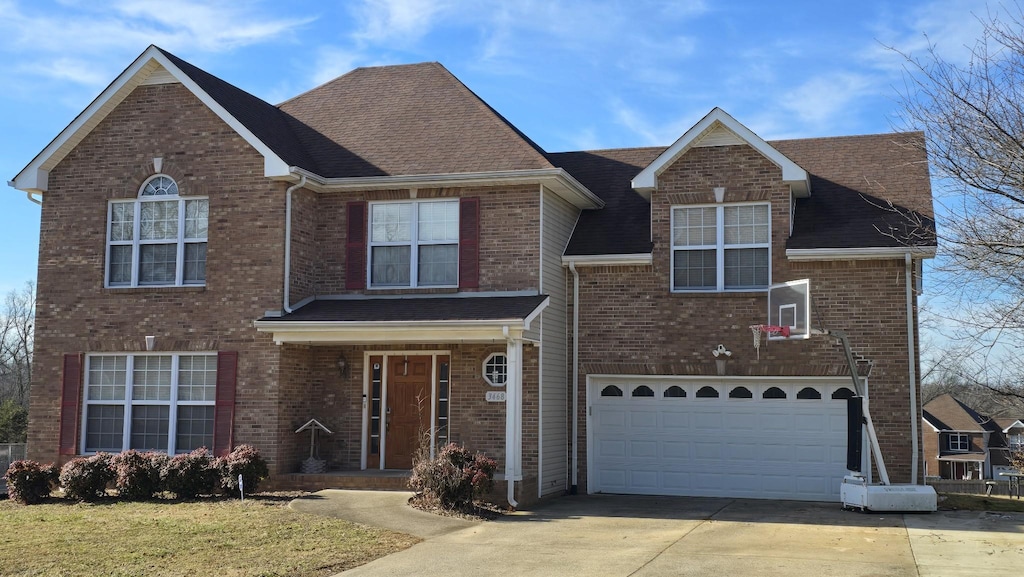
9	452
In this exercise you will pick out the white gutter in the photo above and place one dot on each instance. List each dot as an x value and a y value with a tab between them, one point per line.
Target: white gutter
911	365
563	179
28	193
643	258
575	376
288	242
863	253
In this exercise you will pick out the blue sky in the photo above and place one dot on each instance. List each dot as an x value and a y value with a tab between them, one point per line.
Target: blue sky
571	74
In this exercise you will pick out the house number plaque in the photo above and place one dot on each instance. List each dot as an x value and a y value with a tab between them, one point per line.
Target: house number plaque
495	396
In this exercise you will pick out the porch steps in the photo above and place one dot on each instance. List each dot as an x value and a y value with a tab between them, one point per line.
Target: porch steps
387	480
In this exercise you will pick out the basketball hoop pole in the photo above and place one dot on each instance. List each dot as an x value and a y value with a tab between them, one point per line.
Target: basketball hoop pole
859	388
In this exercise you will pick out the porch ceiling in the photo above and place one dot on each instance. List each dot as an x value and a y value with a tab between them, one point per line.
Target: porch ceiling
419	319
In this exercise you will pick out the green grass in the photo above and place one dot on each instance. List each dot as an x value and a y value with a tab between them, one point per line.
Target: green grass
960	502
260	537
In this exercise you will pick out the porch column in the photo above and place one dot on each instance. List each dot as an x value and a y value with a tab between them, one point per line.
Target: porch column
513	415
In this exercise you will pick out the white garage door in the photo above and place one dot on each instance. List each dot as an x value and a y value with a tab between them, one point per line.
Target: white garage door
749	439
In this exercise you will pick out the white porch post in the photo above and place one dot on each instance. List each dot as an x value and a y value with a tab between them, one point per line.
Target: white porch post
513	415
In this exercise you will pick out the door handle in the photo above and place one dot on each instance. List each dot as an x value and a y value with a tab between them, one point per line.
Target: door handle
387	419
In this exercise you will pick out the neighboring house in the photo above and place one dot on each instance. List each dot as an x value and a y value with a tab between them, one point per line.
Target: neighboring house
961	443
389	255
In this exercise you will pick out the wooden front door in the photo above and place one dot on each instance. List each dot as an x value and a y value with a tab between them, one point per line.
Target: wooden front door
407	411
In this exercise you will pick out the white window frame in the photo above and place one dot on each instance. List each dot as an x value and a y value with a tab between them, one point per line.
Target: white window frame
959	442
128	403
487	361
136	242
1015	441
413	243
719	247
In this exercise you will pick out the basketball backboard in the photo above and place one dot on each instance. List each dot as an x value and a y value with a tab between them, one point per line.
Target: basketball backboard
789	305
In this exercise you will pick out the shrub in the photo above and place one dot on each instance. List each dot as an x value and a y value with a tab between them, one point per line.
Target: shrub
453	477
137	475
191	474
29	482
86	478
244	460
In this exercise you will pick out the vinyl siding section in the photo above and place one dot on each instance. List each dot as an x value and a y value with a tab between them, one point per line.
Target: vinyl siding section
559	217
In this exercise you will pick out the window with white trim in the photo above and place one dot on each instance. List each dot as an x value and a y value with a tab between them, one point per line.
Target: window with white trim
1015	442
414	244
149	402
721	247
157	239
496	369
959	442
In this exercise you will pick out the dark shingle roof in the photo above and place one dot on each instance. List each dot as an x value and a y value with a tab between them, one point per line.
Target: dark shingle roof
853	180
406	120
414	308
623	226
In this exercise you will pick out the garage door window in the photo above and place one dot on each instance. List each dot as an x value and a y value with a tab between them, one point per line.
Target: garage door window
707	393
675	391
842	393
773	393
643	391
611	391
740	393
808	393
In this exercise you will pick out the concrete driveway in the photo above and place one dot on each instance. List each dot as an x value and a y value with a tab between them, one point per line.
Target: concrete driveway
656	536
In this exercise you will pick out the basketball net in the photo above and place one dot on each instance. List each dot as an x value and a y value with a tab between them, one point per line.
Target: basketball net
768	330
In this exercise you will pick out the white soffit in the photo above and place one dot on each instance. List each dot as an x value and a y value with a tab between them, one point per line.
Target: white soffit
151	67
718	128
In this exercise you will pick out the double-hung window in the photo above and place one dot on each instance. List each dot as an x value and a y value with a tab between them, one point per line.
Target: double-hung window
722	247
414	244
158	239
149	402
959	442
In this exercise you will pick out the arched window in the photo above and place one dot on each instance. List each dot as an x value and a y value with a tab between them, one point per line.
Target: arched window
740	393
158	238
773	393
842	393
674	391
611	391
707	393
643	391
808	393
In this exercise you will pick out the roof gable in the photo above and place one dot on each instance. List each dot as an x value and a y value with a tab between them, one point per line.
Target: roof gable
155	66
718	128
414	119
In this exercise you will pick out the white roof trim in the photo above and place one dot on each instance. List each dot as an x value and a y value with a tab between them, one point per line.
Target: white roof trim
792	174
860	253
491	331
556	179
33	178
608	259
1013	425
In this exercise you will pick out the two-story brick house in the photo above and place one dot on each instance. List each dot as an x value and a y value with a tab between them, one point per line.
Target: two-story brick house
389	255
961	443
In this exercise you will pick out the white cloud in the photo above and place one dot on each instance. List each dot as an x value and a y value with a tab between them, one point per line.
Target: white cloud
653	132
402	21
821	99
49	43
332	62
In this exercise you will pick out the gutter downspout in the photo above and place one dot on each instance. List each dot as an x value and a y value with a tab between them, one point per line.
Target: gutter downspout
575	376
915	417
28	194
288	242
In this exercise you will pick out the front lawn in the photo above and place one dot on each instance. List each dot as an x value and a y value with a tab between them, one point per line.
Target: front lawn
259	537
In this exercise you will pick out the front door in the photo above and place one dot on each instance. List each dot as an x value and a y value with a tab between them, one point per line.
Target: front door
407	411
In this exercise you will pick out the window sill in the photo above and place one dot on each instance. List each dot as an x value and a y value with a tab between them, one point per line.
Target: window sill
157	289
413	291
721	294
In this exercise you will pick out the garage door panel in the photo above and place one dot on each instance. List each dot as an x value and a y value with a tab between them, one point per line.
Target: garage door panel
761	448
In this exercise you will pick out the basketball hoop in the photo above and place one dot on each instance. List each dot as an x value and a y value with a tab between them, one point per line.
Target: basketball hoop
769	330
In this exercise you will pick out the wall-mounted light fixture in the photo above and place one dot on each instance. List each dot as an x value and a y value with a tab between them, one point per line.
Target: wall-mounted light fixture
342	363
150	342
